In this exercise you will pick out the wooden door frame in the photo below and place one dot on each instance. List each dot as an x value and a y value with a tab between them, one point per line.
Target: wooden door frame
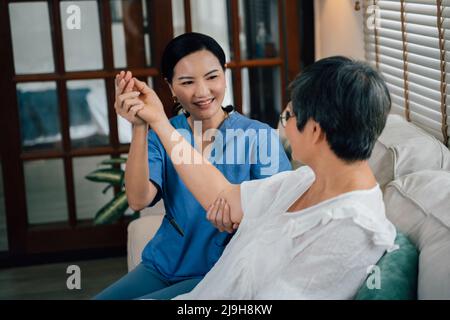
41	243
9	122
36	244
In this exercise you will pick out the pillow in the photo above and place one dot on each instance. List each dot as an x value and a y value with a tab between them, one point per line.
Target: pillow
79	111
398	274
39	115
403	148
419	205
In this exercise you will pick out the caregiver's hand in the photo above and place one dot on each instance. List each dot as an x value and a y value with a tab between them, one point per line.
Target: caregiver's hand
153	111
219	215
128	103
134	100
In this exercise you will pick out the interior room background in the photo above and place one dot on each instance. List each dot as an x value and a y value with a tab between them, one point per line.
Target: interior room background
57	117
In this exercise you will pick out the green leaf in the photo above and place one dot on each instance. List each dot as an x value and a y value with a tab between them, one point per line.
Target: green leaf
107	188
113	210
114	161
113	176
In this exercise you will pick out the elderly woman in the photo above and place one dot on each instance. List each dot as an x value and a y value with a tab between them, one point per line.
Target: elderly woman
304	234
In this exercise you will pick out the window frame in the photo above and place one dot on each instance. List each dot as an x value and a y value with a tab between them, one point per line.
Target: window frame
26	242
378	41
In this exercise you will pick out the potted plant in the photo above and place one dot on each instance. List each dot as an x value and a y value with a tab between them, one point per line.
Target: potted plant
112	174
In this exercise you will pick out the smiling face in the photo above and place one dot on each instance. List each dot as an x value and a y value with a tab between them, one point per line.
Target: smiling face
199	84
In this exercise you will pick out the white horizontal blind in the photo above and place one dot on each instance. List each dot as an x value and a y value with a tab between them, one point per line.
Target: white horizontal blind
408	41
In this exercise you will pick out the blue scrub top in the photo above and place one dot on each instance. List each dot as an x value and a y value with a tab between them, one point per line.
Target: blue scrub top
244	153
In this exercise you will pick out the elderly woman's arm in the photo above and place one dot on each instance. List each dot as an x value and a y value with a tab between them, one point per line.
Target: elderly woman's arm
204	180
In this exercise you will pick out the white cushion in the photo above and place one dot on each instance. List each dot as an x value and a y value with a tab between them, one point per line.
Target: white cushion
419	205
140	231
403	148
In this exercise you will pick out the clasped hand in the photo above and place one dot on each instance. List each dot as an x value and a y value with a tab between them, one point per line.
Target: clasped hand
136	102
219	215
139	104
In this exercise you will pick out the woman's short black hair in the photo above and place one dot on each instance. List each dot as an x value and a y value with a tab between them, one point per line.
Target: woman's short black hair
348	99
185	44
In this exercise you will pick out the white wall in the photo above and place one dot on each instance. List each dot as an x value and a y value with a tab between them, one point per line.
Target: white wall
338	29
210	17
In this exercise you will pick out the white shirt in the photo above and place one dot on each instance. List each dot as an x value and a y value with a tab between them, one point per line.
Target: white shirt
321	252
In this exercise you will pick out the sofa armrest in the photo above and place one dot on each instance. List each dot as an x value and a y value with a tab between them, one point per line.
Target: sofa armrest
140	232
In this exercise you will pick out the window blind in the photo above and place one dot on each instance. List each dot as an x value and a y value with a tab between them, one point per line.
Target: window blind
408	41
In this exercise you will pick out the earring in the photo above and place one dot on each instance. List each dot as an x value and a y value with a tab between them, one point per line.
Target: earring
178	108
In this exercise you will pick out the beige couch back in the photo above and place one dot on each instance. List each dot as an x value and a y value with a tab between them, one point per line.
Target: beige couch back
413	169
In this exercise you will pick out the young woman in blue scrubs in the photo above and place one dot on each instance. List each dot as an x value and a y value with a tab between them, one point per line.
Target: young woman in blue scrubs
186	245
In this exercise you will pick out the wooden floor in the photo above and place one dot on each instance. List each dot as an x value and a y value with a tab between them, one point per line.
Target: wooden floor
48	282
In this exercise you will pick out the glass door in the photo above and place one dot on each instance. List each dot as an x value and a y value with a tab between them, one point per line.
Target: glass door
60	61
57	119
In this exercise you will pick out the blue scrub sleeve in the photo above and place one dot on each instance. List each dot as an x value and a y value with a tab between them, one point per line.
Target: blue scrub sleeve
155	164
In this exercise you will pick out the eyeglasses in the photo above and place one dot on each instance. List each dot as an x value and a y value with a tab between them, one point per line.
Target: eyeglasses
284	117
